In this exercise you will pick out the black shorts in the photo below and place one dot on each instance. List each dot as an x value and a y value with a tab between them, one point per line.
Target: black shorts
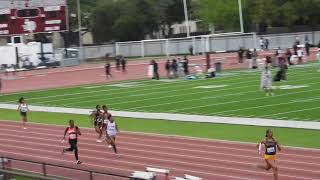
73	142
98	124
23	114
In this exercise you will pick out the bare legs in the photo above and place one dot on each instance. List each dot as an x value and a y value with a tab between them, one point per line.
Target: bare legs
270	164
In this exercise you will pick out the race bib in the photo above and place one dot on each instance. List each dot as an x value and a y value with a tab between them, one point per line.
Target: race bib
72	136
271	150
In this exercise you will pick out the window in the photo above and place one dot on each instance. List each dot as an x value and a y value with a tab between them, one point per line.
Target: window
28	13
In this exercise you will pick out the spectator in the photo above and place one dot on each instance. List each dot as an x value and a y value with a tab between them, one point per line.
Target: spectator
123	62
118	59
108	70
300	55
307	46
295	49
191	50
254	64
266	43
168	68
240	55
248	54
306	38
155	70
174	68
186	65
261	42
288	55
268	60
282	73
297	40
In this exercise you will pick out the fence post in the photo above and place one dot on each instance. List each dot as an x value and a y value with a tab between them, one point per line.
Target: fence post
167	48
3	164
44	169
142	49
91	175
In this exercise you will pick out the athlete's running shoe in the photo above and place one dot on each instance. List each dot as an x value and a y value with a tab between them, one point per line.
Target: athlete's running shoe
78	162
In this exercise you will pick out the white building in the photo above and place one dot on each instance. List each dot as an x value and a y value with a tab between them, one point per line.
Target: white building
181	28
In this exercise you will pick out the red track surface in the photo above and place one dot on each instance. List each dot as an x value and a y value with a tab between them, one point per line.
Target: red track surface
94	73
204	158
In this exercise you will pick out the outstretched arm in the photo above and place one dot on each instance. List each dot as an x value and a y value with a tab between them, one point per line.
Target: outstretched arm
78	131
279	146
65	133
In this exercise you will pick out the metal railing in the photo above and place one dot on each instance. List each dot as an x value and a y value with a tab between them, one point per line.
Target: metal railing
199	44
8	168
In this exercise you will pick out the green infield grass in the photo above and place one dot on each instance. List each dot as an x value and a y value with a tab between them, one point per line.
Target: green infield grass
233	94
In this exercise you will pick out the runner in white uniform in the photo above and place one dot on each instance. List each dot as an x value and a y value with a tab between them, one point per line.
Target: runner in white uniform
111	133
266	81
23	108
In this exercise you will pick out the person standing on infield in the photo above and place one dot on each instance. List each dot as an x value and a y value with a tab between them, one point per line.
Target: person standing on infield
73	133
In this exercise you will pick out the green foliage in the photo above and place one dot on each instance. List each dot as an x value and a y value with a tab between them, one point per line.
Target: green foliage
123	20
219	13
225	14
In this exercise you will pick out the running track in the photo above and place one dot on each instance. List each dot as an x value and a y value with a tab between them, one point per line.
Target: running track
211	160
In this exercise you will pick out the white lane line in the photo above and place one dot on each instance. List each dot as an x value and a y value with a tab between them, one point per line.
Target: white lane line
123	94
247	150
143	164
190	100
125	101
48	126
294	111
153	93
166	159
115	89
240	101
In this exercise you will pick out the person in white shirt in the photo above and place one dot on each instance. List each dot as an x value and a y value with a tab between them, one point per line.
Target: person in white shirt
266	80
23	108
111	133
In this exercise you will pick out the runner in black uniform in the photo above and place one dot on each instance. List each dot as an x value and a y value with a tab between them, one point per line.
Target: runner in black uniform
73	132
271	146
99	124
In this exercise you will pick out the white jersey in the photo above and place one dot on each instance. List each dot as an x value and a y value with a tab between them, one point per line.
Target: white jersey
23	107
266	79
111	128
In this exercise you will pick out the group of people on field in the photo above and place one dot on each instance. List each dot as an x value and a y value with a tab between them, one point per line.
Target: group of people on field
120	64
175	68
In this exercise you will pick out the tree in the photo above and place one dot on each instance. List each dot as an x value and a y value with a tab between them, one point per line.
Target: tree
122	20
170	12
220	13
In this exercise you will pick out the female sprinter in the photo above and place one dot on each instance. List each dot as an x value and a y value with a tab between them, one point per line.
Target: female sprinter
97	121
23	108
271	146
73	132
111	133
107	117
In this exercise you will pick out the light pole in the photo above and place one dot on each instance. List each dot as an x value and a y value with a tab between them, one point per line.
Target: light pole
79	23
186	17
240	16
